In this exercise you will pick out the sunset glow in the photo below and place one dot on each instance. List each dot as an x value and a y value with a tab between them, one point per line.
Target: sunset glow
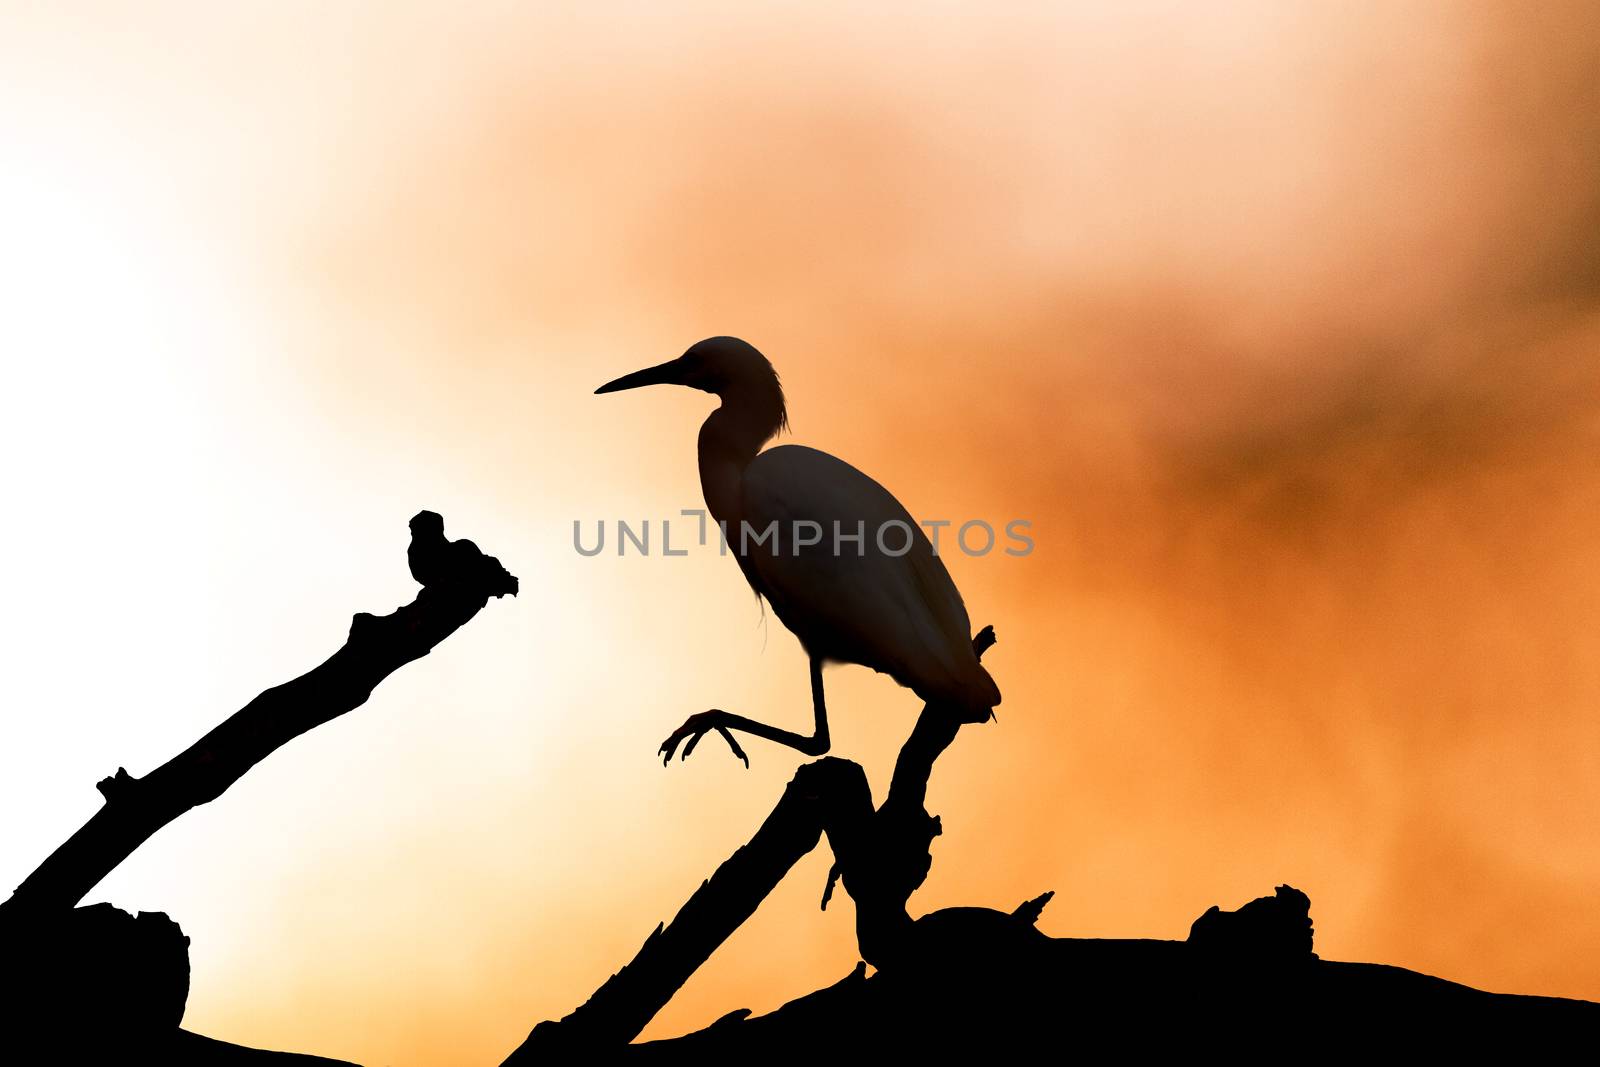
1279	323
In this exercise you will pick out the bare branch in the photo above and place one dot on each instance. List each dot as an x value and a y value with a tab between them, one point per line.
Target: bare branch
135	808
882	856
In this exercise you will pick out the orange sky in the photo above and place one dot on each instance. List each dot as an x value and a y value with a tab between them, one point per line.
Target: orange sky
1279	322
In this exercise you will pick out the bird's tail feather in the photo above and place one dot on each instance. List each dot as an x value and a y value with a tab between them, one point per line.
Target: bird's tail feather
971	698
981	696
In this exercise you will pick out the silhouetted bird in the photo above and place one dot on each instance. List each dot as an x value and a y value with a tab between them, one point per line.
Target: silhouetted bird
884	601
437	562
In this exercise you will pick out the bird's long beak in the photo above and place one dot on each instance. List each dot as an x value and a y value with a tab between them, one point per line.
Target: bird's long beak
668	373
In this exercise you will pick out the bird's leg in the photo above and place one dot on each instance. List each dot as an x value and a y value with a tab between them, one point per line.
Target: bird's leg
725	722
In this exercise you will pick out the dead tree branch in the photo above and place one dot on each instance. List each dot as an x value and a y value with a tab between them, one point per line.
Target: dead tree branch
883	856
135	808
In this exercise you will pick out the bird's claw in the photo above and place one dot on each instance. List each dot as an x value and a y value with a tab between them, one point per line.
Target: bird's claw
694	728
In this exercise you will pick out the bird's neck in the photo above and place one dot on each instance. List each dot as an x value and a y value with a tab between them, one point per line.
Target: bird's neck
729	440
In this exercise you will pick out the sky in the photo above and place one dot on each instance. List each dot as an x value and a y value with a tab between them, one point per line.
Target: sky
1279	323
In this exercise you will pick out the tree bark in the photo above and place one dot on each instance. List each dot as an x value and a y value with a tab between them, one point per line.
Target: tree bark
135	808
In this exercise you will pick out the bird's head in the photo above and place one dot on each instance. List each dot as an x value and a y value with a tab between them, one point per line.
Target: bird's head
720	365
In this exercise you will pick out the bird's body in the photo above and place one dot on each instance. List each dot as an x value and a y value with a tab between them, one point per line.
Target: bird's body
865	602
884	600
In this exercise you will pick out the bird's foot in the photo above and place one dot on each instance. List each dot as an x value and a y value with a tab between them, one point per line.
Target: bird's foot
696	727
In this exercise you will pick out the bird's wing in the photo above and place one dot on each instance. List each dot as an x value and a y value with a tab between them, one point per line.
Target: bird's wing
896	613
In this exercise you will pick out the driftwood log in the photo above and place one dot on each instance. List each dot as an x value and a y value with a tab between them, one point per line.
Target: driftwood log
987	983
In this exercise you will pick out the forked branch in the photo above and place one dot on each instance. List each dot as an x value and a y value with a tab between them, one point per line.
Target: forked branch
883	856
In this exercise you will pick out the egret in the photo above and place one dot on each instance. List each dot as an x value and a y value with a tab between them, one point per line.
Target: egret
863	586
